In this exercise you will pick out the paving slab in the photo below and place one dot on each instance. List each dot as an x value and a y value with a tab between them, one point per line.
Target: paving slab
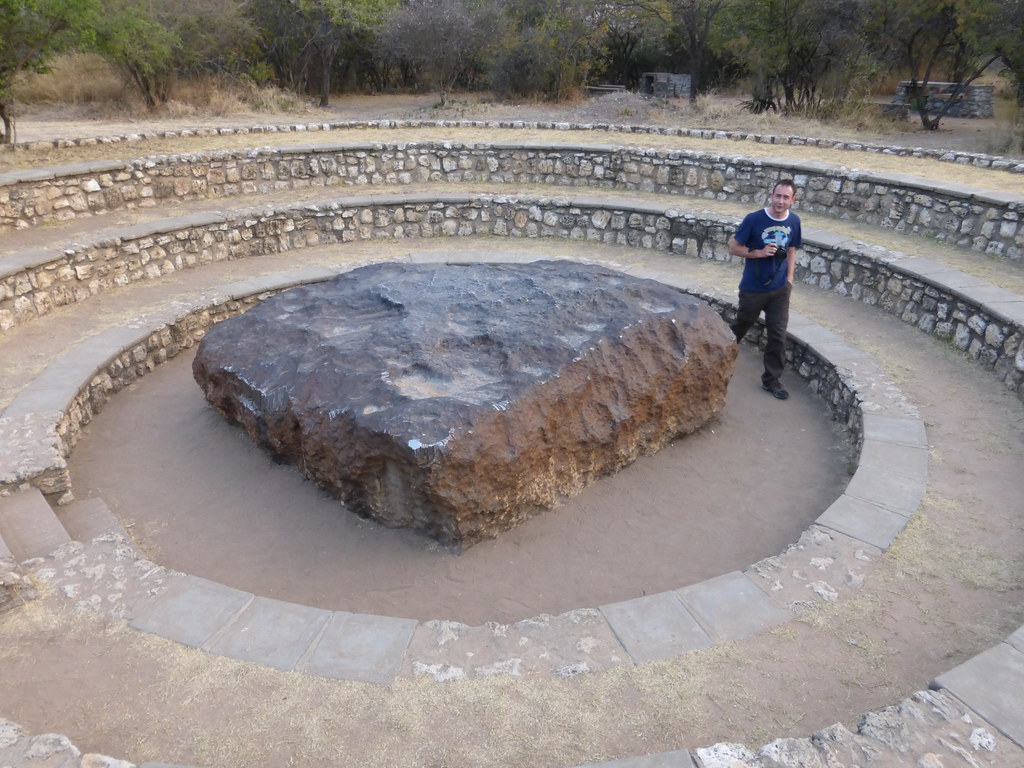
28	525
841	354
889	489
61	381
655	627
192	611
906	460
676	759
863	520
811	334
993	294
895	429
361	647
825	238
823	566
1016	640
992	684
916	266
1010	310
279	281
86	519
29	447
270	632
731	607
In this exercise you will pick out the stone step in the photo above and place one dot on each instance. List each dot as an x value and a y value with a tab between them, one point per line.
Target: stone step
29	526
86	519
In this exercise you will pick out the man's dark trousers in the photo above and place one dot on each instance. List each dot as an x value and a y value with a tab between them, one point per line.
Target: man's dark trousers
775	305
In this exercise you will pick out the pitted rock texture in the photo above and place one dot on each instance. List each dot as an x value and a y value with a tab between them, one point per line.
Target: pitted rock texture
460	399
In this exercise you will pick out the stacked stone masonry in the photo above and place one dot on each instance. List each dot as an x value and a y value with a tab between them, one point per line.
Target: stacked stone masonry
977	101
984	322
977	159
970	218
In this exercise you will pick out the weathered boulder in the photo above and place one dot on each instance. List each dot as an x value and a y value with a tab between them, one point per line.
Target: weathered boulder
460	399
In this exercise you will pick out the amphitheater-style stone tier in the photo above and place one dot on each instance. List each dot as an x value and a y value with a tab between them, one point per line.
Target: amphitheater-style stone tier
459	400
976	219
41	425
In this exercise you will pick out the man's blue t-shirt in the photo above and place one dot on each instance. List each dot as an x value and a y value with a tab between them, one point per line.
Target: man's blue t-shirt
757	230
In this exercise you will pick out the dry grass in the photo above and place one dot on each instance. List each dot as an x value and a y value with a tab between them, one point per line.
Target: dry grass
85	85
927	168
216	97
927	552
75	79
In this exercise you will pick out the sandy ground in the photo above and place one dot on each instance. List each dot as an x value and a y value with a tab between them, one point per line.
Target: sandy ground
693	511
946	590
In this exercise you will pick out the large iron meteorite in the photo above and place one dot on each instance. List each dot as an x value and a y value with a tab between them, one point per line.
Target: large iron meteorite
461	399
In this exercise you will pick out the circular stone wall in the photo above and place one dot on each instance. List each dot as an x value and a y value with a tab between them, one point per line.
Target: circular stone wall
199	497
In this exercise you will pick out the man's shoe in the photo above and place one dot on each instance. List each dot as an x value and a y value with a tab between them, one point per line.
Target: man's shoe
776	389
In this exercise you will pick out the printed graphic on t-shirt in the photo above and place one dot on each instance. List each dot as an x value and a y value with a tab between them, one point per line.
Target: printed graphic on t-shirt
777	234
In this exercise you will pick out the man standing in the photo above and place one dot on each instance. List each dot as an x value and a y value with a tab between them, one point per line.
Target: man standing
767	239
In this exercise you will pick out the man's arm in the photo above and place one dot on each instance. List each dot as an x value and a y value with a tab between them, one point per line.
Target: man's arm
790	264
736	248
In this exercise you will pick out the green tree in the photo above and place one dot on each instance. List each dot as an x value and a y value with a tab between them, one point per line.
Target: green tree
444	40
933	39
338	22
140	47
633	44
307	40
696	25
1009	43
281	37
155	42
801	54
32	32
548	47
696	20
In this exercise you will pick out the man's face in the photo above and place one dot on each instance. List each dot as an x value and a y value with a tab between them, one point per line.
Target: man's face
782	199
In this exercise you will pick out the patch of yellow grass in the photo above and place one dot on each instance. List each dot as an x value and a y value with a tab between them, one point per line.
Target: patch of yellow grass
75	78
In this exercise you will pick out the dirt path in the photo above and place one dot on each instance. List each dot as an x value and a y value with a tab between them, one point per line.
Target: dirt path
946	590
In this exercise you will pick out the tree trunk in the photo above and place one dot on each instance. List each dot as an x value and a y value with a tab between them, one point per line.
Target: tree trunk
8	134
328	51
696	73
325	80
918	92
917	95
928	122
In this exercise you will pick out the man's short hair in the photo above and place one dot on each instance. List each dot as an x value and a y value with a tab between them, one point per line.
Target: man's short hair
786	183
